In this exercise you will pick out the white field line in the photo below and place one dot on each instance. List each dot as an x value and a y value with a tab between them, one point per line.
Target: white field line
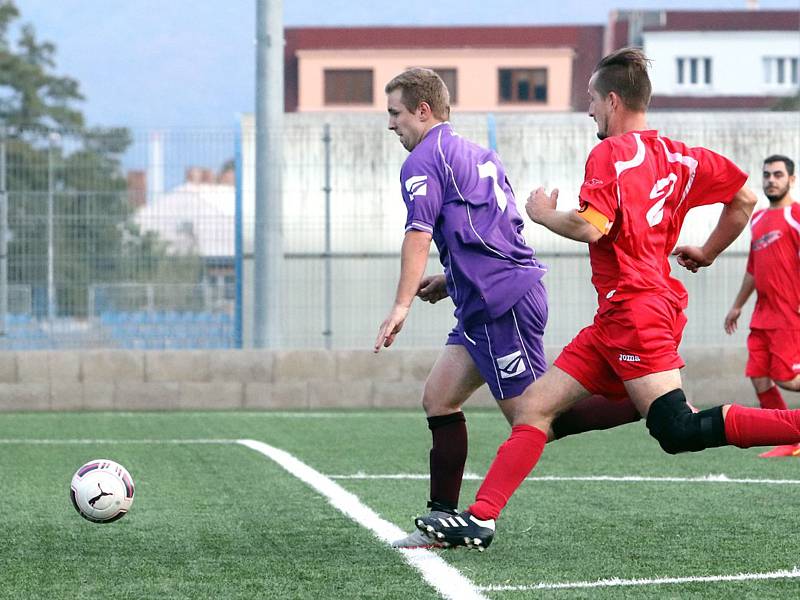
615	582
720	478
446	580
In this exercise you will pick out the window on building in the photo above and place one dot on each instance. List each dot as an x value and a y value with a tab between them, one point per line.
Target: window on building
781	71
523	85
348	86
694	70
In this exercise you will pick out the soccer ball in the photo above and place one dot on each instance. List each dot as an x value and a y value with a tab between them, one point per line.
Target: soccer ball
102	491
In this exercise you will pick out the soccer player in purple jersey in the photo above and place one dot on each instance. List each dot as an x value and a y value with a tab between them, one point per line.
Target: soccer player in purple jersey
457	194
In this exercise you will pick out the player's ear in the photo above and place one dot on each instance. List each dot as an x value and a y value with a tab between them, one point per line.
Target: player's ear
424	111
614	100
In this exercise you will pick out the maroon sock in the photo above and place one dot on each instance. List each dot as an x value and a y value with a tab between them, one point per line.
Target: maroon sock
514	461
772	398
746	427
447	457
594	412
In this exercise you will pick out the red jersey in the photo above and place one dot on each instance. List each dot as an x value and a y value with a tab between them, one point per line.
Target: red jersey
774	263
644	185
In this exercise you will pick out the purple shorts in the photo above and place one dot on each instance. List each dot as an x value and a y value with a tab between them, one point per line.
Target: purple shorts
509	351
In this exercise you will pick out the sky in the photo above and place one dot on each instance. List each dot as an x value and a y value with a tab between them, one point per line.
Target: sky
149	64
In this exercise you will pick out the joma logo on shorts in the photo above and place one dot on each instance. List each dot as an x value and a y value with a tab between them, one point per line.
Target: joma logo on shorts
629	358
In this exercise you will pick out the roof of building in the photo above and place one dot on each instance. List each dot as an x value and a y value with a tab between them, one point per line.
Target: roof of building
729	20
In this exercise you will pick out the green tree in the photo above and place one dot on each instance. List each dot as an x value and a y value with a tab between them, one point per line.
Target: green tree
94	237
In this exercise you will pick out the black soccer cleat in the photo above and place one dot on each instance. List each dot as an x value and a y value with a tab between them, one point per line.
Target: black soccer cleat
462	529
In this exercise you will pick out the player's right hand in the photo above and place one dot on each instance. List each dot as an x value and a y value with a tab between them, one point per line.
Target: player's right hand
390	327
732	319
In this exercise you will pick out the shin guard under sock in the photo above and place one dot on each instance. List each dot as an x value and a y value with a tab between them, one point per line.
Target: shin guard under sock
514	461
447	458
746	427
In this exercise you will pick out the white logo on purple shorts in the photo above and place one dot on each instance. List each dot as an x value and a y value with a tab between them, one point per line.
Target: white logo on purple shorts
511	365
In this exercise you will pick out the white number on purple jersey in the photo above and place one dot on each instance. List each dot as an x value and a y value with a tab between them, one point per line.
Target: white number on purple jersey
489	169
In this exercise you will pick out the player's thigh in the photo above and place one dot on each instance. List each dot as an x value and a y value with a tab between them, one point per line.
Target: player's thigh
509	351
453	378
784	359
643	391
543	400
758	356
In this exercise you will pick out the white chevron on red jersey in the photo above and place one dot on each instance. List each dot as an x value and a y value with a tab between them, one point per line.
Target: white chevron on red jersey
644	184
774	263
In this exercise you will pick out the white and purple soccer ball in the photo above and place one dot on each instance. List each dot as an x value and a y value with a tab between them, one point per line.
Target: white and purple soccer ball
102	491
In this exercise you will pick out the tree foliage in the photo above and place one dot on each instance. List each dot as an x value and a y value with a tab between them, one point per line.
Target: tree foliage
53	158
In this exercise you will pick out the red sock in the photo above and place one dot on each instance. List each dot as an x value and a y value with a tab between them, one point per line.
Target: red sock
772	399
447	458
515	459
746	427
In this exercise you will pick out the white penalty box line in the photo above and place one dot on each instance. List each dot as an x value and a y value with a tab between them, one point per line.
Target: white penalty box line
445	579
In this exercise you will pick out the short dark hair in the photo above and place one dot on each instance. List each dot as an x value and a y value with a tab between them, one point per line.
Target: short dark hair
422	85
625	73
784	159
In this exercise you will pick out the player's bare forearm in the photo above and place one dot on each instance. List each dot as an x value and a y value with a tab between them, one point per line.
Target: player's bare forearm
747	288
413	260
734	218
732	221
568	224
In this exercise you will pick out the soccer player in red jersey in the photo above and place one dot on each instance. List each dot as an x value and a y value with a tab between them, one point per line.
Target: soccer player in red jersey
773	271
637	190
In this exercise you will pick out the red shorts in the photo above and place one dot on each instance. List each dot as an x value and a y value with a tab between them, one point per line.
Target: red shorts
633	338
773	353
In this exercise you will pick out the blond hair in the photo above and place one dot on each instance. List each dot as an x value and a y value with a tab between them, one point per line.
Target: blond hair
422	85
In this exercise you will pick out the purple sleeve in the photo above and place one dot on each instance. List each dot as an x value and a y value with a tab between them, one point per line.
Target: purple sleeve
422	189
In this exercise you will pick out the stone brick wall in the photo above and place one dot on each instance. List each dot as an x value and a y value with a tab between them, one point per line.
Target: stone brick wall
263	380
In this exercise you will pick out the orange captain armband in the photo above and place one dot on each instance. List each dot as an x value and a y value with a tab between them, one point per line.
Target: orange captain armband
595	218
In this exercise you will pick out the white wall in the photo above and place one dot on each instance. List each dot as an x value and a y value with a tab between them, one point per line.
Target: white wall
368	217
737	60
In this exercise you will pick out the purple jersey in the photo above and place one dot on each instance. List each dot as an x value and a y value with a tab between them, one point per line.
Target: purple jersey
458	191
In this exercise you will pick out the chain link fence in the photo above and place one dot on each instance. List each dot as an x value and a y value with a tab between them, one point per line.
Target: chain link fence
144	239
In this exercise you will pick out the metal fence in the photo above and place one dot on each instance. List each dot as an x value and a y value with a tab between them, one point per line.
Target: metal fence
129	239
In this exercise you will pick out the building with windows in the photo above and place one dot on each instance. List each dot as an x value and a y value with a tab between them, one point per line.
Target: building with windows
715	60
704	60
495	69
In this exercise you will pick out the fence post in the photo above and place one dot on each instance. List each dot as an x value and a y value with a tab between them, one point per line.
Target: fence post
51	292
3	235
328	331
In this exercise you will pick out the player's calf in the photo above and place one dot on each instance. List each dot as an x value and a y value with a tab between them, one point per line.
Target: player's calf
671	421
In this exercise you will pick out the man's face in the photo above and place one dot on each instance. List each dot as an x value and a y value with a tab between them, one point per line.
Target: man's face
600	110
406	124
776	181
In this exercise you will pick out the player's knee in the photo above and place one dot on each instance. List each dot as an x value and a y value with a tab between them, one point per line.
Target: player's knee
678	429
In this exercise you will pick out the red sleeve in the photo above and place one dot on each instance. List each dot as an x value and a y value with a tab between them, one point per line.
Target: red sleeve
599	188
716	179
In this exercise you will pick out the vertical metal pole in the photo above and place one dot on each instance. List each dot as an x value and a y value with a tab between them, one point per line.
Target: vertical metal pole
51	292
492	130
3	235
238	242
268	251
328	332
